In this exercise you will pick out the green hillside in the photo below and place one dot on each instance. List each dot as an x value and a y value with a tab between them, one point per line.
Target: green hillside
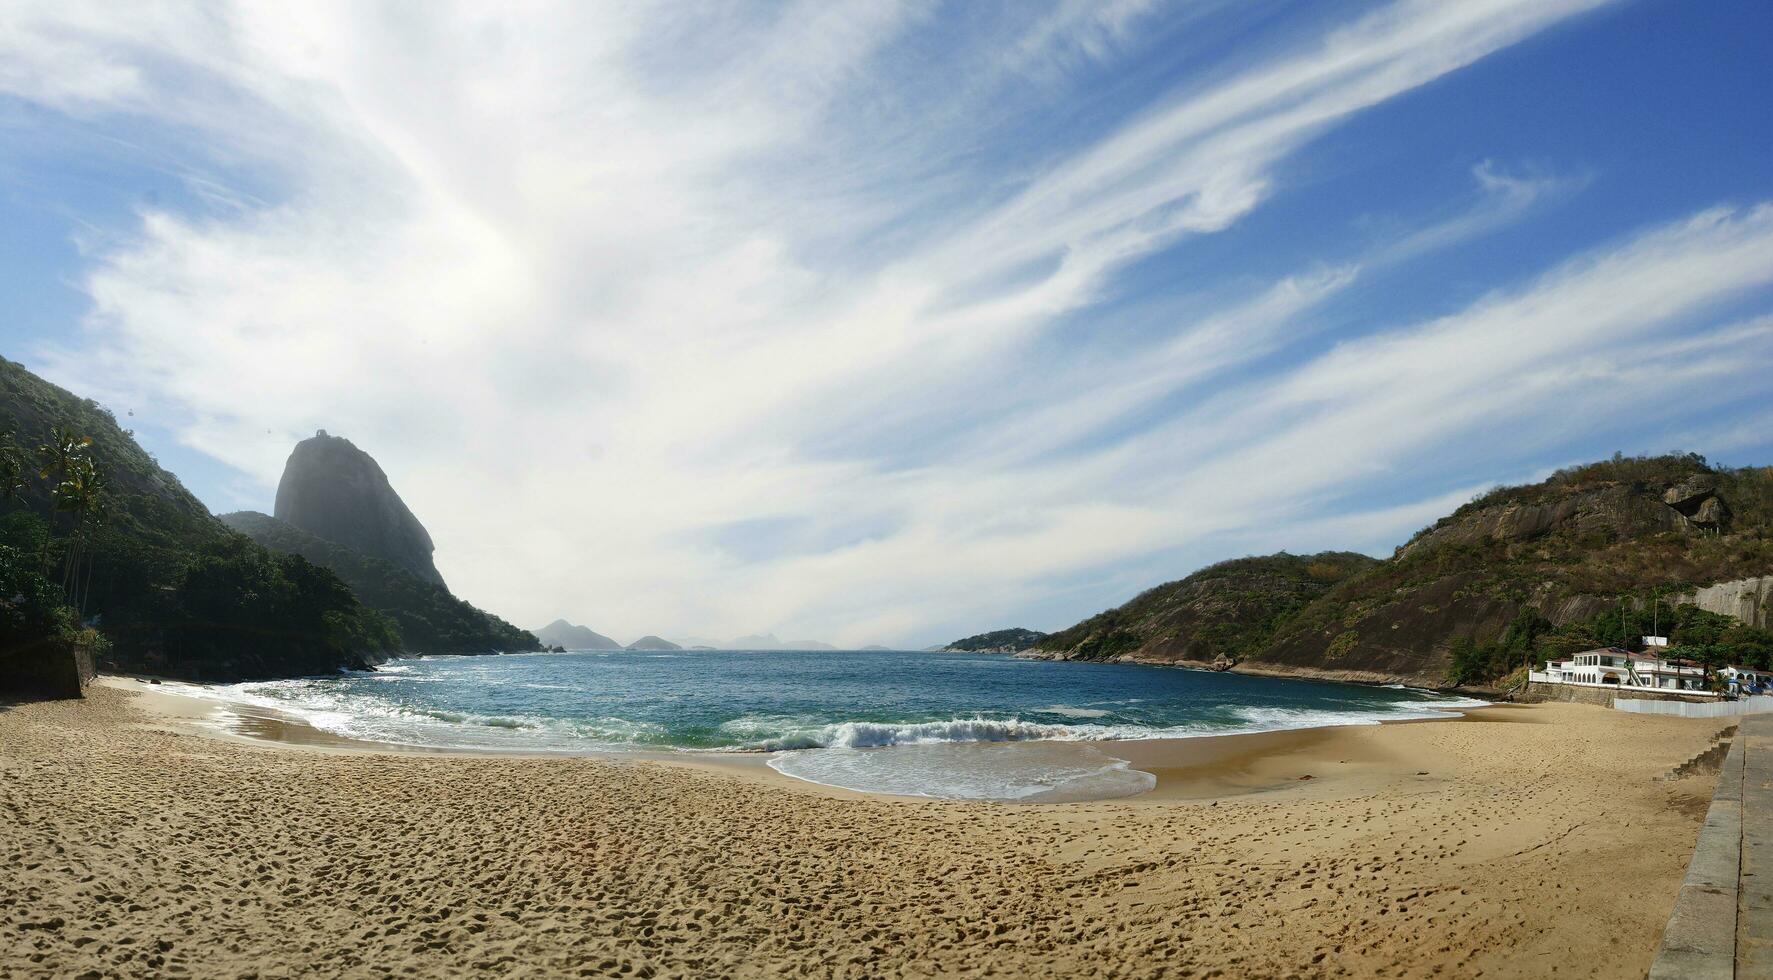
1012	640
1230	609
169	587
430	619
1561	554
1595	555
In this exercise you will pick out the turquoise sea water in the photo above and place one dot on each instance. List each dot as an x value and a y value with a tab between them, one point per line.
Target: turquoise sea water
893	722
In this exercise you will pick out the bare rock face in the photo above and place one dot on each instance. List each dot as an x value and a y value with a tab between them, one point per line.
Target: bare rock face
1747	599
334	490
1697	498
1712	513
1690	494
1616	512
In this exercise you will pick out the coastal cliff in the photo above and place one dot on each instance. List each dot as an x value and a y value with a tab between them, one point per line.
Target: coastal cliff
1559	552
332	489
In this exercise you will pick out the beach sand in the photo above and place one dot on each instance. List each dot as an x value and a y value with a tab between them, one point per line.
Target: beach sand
1541	841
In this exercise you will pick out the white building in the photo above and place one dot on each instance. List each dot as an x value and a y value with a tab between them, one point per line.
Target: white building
1746	680
1613	667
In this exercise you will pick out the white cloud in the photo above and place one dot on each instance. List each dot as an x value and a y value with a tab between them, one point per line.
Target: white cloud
599	283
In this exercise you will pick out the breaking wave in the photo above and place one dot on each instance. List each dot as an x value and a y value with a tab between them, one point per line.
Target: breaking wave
877	721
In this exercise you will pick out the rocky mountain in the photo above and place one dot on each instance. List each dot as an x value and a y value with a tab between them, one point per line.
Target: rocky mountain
1564	551
1231	610
334	490
561	633
752	641
1560	552
653	643
174	590
1013	640
429	618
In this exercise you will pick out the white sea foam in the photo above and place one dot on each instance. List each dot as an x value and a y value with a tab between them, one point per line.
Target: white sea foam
372	718
1067	711
1028	773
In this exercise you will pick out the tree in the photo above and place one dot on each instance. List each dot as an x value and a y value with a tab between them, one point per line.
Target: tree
60	453
80	492
12	468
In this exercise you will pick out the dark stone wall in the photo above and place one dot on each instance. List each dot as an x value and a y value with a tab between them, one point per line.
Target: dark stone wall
54	670
1604	696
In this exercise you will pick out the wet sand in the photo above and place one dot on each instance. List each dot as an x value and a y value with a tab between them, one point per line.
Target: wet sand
1522	841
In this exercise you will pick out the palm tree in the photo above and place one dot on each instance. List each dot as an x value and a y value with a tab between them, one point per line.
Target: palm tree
12	468
93	502
81	493
60	452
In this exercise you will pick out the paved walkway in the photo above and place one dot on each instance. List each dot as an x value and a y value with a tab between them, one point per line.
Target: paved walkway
1722	926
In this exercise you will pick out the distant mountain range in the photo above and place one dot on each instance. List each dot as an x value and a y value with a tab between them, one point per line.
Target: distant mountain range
754	641
561	633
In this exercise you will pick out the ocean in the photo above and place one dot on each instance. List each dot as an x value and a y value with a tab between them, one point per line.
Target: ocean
900	722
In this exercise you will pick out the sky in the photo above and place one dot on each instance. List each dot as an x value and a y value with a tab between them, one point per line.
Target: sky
888	323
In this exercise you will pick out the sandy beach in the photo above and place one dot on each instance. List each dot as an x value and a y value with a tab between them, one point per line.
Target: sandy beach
1528	841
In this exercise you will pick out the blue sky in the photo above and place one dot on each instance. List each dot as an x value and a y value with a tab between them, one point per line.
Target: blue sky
887	323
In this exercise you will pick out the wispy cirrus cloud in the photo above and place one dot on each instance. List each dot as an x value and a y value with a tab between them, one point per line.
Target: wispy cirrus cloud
673	318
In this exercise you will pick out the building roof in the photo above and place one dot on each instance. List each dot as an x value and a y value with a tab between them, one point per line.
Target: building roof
1616	652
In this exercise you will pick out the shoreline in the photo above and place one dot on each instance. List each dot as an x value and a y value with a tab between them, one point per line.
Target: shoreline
1510	841
1192	768
1361	678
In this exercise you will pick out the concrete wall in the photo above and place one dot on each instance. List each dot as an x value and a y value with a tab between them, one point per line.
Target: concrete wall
59	670
1760	704
1700	941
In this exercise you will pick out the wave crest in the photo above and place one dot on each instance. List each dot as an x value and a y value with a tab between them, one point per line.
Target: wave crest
871	734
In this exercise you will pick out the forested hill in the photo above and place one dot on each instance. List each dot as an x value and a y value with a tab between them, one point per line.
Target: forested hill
1230	610
1520	573
1545	567
169	587
430	619
1012	640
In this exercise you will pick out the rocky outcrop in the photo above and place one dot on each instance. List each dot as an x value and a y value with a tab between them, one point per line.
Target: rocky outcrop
1613	512
561	633
653	643
334	490
1696	498
1688	495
